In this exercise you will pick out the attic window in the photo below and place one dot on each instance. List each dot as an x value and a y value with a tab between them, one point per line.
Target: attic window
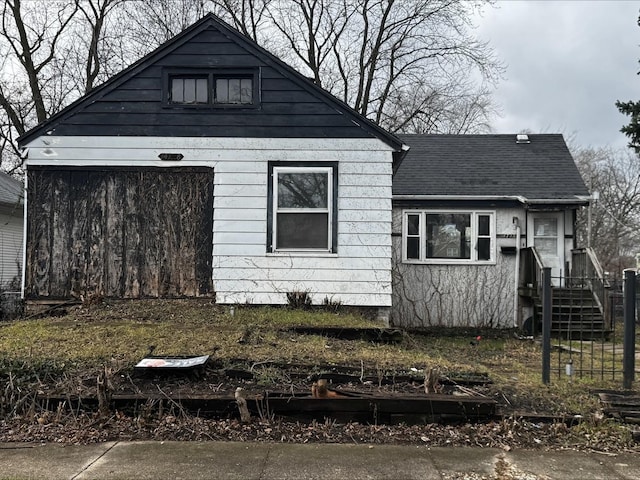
189	90
233	90
222	88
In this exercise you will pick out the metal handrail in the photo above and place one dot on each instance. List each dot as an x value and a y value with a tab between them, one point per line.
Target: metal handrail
586	269
586	272
595	263
532	269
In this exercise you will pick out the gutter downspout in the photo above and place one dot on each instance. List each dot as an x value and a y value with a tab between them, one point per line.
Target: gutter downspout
516	222
24	154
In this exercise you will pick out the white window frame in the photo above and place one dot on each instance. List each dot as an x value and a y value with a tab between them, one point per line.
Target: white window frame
277	170
422	242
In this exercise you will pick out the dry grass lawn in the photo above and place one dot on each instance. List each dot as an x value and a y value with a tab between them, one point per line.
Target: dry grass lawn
86	338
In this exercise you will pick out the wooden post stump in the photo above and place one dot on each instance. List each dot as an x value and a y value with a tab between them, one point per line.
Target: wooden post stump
245	416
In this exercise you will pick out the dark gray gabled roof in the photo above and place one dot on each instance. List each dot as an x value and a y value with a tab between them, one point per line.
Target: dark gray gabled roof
489	166
11	191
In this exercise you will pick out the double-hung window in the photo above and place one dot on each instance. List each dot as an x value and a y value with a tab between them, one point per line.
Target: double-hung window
303	201
436	236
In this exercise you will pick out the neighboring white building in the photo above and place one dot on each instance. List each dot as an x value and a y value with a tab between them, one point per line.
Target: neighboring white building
11	232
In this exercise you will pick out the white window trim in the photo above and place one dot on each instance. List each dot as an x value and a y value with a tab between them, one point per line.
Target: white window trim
276	210
449	261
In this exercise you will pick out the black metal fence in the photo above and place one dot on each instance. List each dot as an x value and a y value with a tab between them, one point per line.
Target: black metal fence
588	328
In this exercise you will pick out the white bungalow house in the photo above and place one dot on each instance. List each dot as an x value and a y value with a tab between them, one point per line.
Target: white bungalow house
11	228
210	168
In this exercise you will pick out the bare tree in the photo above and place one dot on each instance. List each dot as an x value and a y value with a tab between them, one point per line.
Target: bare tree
96	14
407	65
447	110
32	37
96	46
31	87
157	21
311	32
615	216
248	16
52	54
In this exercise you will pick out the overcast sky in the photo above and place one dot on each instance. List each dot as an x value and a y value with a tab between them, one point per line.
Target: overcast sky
567	63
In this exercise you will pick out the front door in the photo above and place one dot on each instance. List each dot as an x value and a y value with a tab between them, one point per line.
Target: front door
545	232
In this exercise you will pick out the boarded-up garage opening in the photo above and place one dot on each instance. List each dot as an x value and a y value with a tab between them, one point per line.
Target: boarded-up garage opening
128	233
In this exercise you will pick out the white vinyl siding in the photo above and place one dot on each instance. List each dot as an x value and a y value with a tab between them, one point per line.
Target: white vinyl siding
11	230
243	271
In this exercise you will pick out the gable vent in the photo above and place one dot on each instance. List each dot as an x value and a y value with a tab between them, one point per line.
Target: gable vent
522	138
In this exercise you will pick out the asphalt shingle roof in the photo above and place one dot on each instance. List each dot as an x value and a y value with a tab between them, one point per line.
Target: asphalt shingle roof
10	190
488	165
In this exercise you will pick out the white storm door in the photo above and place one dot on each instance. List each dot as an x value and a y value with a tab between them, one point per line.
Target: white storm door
546	234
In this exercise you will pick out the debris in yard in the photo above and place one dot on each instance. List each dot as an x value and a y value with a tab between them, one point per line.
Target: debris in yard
173	363
343	374
319	389
103	390
460	390
622	405
489	393
83	429
377	335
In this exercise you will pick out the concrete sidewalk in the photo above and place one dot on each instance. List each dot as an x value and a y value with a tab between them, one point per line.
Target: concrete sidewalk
248	461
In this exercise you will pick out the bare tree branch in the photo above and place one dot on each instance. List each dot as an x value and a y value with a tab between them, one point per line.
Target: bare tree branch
615	216
27	48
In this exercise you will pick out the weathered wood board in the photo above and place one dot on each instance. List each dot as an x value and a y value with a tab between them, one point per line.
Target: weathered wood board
126	233
624	405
